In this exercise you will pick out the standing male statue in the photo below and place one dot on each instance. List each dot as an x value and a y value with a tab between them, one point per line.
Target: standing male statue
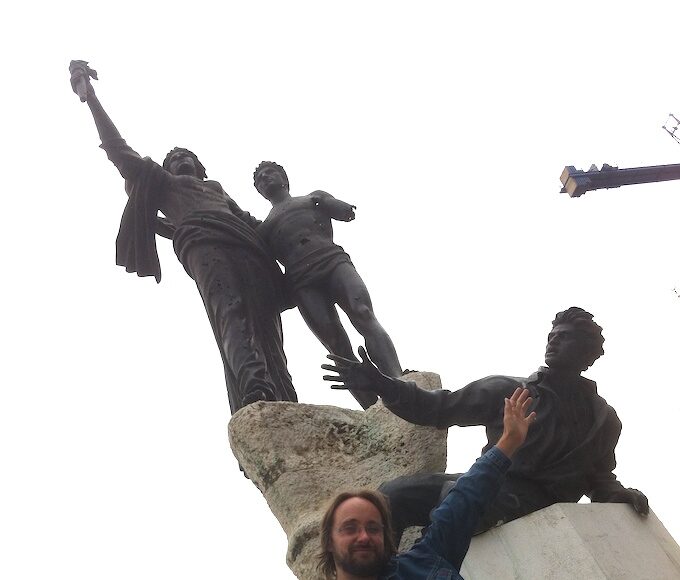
569	451
319	273
239	282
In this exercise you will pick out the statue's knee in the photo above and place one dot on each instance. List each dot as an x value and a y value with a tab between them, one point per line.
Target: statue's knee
363	319
395	489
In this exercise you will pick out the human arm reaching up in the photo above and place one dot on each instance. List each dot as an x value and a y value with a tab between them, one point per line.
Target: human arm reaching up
516	422
454	521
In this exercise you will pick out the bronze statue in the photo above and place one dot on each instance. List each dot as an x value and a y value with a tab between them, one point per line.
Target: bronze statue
319	273
215	240
569	452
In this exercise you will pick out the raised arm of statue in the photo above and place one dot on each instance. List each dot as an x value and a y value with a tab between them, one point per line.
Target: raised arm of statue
123	157
334	208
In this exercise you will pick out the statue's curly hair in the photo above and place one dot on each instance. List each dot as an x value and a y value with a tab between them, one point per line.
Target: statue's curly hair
265	165
199	166
325	562
584	323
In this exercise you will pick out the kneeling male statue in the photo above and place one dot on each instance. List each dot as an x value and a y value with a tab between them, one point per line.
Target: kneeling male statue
569	452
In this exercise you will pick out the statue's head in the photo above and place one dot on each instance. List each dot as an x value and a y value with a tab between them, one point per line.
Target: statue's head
270	178
181	161
575	341
356	535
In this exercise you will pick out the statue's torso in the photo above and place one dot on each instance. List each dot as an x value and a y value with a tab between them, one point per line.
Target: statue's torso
184	195
296	228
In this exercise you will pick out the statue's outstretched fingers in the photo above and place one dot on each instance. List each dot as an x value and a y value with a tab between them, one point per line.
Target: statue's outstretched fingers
340	359
339	387
363	355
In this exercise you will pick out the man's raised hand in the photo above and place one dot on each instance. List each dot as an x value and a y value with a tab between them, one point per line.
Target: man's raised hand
516	421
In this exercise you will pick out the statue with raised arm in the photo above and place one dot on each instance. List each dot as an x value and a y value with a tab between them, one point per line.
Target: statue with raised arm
319	273
569	452
216	242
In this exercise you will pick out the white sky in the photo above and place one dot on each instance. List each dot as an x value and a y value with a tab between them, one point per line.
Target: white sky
448	125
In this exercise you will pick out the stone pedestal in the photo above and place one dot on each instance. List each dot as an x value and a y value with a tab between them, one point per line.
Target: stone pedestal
566	541
299	456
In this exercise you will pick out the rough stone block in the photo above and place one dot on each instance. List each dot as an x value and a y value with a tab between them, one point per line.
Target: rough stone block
299	456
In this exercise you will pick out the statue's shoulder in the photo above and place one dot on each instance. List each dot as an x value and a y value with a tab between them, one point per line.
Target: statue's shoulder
317	195
501	380
496	384
602	406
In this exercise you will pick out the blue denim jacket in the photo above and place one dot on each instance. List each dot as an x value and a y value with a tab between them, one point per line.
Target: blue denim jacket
440	553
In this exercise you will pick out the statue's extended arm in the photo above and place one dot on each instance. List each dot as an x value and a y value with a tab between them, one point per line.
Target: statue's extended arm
123	157
471	405
334	208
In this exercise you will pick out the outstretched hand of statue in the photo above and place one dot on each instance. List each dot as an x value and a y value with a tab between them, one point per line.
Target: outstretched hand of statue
358	376
80	79
516	421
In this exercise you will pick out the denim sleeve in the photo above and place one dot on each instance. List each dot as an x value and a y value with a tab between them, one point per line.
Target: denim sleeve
456	518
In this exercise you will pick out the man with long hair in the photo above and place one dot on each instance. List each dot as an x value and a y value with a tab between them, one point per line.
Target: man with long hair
357	539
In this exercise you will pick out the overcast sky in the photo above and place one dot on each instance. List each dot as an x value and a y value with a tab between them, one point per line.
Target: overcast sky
447	125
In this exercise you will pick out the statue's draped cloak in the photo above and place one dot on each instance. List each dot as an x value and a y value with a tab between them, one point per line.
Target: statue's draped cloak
136	241
240	286
239	282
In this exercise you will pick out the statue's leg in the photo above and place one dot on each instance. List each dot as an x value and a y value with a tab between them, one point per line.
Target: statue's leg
413	497
517	498
352	296
220	276
322	319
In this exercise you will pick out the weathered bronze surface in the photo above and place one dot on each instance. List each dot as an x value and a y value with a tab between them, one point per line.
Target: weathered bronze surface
319	273
215	240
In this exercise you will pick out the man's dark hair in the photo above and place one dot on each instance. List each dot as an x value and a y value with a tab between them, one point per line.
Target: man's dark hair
199	166
265	165
584	323
326	564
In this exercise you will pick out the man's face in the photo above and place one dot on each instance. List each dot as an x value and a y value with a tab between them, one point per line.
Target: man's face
270	180
182	164
567	348
357	538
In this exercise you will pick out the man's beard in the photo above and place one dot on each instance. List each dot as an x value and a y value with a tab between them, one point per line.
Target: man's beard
362	568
